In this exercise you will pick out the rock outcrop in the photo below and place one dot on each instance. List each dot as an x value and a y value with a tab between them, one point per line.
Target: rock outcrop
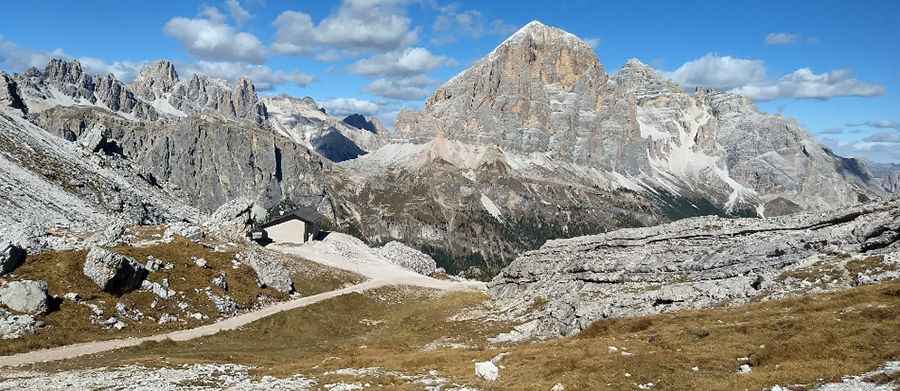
270	272
66	82
410	258
304	122
25	296
112	272
9	93
699	262
14	326
11	256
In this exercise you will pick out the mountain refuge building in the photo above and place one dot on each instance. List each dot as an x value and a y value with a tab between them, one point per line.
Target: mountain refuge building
297	226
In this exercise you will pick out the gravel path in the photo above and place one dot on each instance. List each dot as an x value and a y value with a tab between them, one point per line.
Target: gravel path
379	272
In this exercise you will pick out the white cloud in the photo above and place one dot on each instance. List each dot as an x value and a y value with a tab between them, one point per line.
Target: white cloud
408	88
15	58
882	124
782	38
238	13
209	38
832	131
263	77
594	42
788	39
407	62
453	23
346	106
748	77
124	71
881	147
719	72
357	26
805	84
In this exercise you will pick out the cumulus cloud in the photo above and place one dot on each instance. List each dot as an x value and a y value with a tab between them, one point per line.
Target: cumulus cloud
346	106
407	88
238	13
748	77
357	26
719	72
208	37
263	77
883	124
407	62
15	58
452	23
805	84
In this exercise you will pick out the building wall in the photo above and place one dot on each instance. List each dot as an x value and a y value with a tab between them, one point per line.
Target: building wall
291	231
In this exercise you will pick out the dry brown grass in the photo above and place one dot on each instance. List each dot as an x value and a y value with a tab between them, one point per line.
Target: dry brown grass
794	341
70	322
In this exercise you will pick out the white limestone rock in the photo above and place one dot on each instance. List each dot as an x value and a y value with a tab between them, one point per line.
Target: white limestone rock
25	296
112	272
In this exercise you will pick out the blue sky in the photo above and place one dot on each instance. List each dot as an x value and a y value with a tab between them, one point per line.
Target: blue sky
832	65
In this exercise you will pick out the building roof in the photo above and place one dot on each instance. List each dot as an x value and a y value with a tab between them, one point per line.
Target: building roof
306	214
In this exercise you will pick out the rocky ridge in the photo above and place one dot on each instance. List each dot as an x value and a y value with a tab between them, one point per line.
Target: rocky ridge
700	262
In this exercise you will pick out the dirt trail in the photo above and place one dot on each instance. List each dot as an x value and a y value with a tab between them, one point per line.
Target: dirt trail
380	274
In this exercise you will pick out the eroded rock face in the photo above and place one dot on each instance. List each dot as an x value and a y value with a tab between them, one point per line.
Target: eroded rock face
691	263
539	91
112	272
26	296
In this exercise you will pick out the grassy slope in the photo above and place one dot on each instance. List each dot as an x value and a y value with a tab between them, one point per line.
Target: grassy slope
794	341
70	322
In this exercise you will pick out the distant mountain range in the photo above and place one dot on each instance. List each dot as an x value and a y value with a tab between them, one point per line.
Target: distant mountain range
533	142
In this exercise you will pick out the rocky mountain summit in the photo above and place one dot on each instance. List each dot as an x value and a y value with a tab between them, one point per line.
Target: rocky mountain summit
544	91
700	262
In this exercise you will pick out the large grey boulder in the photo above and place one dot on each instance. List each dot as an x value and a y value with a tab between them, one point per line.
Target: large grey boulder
25	296
408	257
112	272
11	256
14	326
270	272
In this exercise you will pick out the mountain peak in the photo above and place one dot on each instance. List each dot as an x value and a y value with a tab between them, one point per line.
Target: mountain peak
155	79
537	31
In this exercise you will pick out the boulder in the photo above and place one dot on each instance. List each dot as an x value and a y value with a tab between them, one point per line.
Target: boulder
11	256
408	257
487	370
25	296
109	236
16	326
112	272
183	229
269	272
